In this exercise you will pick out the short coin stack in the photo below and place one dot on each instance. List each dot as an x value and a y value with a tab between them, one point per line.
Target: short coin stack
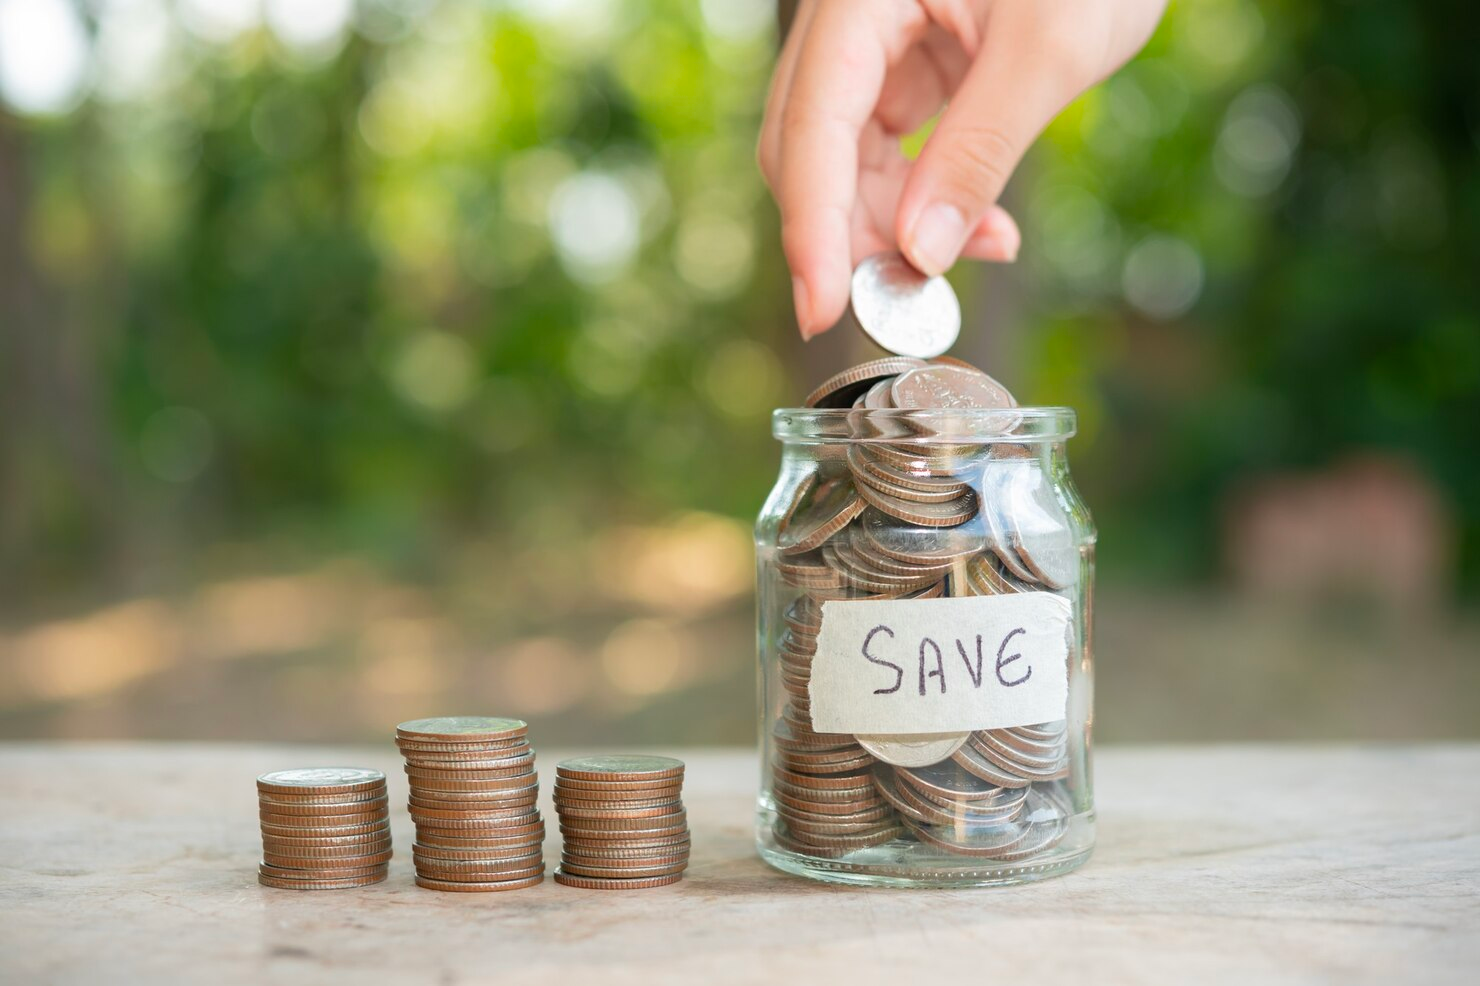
323	828
623	822
473	793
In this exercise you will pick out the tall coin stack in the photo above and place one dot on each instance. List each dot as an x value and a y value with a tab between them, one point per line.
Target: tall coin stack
623	822
473	793
323	828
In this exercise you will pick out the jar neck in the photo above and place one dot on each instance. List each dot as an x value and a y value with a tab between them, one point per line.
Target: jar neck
934	426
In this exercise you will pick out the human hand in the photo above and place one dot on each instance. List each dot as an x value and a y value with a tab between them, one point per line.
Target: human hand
855	75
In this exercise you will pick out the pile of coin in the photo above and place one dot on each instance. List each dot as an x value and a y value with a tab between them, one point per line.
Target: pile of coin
622	821
473	793
323	828
902	513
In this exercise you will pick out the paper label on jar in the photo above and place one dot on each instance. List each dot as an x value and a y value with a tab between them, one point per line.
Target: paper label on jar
941	665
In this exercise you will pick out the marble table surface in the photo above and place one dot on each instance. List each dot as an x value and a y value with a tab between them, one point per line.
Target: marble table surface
130	862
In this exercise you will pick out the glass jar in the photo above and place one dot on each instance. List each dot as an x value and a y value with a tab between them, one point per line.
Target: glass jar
924	601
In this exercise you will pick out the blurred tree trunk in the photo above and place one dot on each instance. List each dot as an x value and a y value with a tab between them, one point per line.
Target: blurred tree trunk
53	454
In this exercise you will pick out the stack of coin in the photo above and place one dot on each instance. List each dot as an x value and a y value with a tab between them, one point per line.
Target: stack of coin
900	514
323	828
623	822
473	793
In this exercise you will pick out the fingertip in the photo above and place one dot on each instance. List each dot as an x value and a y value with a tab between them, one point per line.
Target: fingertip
801	299
1001	227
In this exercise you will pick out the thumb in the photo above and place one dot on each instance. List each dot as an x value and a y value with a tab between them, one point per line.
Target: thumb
1008	96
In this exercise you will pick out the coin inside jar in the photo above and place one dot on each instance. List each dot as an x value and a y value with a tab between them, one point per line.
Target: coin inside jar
913	750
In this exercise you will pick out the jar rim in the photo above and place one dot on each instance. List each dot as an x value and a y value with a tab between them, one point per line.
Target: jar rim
927	426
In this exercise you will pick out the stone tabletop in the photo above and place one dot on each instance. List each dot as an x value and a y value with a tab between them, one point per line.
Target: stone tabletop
137	862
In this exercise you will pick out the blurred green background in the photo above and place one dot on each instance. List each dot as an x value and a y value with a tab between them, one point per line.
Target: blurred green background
367	359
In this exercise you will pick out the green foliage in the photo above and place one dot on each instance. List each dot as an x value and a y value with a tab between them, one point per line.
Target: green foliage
383	289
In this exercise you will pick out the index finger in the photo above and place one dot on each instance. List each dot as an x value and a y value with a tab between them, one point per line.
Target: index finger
840	72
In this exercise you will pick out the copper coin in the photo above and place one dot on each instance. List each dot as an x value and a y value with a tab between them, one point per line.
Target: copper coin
508	795
620	766
441	749
805	828
858	780
868	465
810	766
987	841
948	780
344	802
948	514
620	834
825	510
783	839
321	821
985	578
786	733
923	545
487	852
318	873
610	873
823	760
457	757
661	785
970	759
618	811
874	811
787	804
280	807
833	795
514	782
841	389
434	840
563	789
884	832
439	817
662	856
595	883
464	728
342	862
523	856
480	828
588	845
944	490
483	827
360	881
280	847
320	780
313	830
644	804
465	800
486	869
483	887
326	841
857	570
473	770
616	821
803	617
502	806
1019	759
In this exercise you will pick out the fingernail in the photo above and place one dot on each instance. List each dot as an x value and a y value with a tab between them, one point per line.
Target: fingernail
937	238
804	313
1005	234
